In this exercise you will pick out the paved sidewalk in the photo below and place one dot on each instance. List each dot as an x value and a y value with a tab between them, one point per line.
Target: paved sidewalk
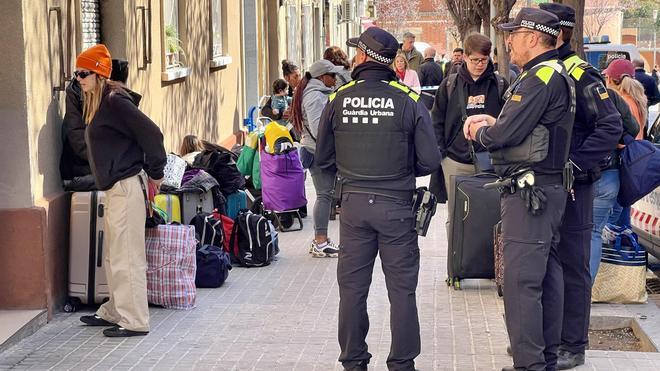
284	317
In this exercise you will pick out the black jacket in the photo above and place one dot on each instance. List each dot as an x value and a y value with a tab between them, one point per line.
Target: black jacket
447	111
630	127
121	141
597	125
415	121
535	100
430	73
73	162
650	86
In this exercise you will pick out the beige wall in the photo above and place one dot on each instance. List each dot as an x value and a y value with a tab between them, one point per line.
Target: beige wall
208	103
45	106
15	191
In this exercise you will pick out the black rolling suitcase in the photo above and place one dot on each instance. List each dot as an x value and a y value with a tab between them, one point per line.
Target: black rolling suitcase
475	211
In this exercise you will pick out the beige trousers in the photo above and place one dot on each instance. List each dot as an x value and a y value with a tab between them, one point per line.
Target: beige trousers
125	256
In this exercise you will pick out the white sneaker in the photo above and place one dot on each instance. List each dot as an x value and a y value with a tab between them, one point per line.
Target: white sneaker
327	250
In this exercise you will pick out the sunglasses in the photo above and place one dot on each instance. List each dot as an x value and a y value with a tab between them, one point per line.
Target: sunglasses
82	74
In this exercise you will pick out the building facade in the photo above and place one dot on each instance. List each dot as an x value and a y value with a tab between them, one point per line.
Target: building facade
199	65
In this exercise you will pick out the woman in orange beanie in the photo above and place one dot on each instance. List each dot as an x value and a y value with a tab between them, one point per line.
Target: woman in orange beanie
122	144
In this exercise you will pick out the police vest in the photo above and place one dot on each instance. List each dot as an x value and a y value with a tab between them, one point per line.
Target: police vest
547	147
370	143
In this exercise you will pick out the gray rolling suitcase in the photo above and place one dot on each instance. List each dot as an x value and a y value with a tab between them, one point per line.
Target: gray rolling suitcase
475	212
87	280
192	203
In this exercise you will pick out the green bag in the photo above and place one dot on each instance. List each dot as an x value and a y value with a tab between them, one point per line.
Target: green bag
248	164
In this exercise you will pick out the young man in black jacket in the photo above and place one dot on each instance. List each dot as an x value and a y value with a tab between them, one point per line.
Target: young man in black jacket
474	89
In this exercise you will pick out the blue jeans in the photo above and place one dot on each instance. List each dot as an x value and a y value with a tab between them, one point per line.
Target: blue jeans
605	191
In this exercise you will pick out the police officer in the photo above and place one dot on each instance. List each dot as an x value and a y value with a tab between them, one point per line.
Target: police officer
377	133
596	132
529	144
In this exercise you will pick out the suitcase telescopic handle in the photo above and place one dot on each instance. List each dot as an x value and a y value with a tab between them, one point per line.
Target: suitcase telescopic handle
99	254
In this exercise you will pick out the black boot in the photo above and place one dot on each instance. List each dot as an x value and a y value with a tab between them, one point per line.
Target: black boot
567	360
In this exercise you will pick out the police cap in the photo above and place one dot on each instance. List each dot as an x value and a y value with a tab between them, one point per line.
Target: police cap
565	13
534	19
377	43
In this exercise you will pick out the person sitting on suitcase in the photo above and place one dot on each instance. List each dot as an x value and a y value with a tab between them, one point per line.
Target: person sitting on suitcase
121	142
475	89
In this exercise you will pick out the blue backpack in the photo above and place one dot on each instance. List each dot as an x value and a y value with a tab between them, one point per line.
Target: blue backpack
639	171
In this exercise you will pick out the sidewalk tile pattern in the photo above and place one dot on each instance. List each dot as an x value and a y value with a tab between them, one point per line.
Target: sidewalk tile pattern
284	317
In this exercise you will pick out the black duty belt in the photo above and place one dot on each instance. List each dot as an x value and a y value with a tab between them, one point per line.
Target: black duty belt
401	195
547	179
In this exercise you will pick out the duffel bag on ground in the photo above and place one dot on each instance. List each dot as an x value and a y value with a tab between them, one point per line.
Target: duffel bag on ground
213	265
171	266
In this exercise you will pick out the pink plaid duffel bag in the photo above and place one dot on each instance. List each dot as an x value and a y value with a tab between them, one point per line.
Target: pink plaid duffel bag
171	266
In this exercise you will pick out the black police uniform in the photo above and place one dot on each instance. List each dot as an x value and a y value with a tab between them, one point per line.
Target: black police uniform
541	99
596	132
378	135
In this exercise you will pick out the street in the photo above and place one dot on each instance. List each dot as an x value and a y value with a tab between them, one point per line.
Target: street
284	317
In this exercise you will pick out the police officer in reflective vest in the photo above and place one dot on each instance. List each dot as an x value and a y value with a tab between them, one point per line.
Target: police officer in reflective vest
378	135
529	144
596	132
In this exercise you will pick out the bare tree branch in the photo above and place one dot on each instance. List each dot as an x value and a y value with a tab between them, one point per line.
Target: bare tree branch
465	15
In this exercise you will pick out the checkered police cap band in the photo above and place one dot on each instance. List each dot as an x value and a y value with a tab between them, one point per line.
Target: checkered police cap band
567	24
371	53
539	27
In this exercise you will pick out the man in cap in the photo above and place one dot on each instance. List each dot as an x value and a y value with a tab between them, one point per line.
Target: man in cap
596	132
378	135
413	56
529	144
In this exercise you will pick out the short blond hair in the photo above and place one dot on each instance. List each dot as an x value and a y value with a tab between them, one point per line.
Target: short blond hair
405	60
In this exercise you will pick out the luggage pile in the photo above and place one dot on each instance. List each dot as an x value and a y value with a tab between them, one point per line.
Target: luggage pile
199	227
272	163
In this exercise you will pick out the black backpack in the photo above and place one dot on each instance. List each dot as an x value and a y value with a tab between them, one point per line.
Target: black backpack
222	166
256	242
208	230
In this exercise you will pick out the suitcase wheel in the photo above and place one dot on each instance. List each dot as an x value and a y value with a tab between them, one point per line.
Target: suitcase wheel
500	291
71	305
457	284
448	281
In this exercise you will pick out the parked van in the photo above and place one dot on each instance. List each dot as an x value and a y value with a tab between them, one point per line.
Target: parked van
645	213
600	55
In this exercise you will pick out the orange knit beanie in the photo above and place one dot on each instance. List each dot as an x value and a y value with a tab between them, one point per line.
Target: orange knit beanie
96	59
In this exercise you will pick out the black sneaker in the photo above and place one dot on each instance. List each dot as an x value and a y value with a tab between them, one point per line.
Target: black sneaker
116	332
95	320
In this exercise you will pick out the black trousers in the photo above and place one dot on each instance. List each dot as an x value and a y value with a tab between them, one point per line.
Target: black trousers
533	282
372	225
575	252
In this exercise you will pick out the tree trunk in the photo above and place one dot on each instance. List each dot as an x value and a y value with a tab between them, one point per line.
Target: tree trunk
465	16
482	7
502	10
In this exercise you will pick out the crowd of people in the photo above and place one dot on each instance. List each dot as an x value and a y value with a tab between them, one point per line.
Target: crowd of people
364	135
